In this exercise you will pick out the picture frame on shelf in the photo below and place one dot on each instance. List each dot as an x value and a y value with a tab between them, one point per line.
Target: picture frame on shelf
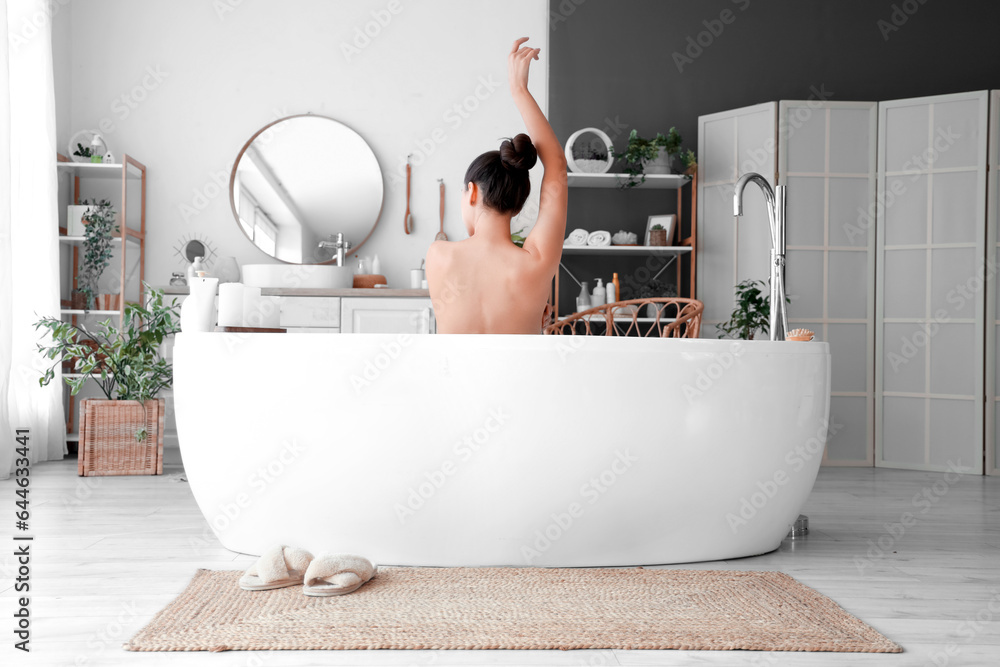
666	221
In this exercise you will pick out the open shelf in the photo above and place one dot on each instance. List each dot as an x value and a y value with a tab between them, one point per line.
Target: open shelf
127	240
78	240
653	181
638	250
95	170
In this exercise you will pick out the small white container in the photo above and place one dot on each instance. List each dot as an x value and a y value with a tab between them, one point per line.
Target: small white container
611	297
416	278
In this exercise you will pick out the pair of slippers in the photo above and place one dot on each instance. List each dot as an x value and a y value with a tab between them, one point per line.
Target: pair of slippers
323	576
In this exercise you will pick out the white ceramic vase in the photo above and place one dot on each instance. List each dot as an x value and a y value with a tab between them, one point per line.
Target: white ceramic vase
227	270
198	309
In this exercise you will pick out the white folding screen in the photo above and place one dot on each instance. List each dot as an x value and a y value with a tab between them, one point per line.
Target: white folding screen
992	293
826	157
929	309
732	249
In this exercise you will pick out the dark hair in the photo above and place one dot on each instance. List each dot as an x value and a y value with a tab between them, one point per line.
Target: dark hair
503	175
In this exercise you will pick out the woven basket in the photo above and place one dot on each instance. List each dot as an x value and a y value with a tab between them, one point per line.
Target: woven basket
107	437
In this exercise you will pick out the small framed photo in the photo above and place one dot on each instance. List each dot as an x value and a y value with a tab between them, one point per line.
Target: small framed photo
665	221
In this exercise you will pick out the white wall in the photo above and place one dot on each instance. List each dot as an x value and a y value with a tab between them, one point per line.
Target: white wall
182	84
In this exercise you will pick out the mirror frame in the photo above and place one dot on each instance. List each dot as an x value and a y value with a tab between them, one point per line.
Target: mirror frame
236	164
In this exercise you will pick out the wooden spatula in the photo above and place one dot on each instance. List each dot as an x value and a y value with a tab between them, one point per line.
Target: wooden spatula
407	219
441	236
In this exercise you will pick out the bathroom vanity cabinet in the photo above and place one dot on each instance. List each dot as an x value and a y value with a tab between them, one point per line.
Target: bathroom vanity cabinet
306	310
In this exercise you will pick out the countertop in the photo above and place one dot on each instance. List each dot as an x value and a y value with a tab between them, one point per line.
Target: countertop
317	291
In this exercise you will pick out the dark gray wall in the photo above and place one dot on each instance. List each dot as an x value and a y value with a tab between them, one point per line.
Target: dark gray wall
615	59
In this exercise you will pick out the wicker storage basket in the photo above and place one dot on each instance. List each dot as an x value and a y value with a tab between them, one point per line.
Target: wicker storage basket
107	437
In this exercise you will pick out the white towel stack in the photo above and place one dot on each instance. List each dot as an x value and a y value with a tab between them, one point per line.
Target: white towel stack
576	237
599	238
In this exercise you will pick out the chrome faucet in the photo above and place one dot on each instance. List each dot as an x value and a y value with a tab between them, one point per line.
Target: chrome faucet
778	322
340	245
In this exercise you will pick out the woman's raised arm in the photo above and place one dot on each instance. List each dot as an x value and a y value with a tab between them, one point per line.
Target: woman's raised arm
546	237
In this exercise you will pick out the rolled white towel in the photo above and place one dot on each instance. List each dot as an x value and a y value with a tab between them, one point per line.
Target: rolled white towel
576	237
599	238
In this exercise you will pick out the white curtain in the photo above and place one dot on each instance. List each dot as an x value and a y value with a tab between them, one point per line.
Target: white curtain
29	247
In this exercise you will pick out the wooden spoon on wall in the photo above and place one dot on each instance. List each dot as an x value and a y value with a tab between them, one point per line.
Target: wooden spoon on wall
441	236
408	219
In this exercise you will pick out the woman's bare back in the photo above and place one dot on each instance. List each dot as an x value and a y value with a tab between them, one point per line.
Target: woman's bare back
486	287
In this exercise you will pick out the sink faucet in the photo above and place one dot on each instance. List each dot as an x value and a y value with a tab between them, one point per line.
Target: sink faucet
778	323
340	245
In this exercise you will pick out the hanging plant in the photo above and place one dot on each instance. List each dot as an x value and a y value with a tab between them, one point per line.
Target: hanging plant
98	230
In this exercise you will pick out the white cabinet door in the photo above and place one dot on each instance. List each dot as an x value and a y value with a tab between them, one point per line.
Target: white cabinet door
826	157
731	249
992	293
929	309
387	315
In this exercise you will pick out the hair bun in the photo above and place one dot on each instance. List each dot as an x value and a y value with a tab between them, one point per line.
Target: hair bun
519	152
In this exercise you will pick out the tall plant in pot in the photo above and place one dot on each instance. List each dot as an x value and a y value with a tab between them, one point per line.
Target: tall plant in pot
98	229
121	434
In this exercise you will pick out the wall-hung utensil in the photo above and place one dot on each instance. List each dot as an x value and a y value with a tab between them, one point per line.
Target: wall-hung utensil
408	219
441	236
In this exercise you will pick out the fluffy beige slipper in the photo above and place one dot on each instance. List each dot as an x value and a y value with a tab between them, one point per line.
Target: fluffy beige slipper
337	574
279	567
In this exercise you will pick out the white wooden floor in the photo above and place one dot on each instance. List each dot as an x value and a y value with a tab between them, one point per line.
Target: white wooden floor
110	552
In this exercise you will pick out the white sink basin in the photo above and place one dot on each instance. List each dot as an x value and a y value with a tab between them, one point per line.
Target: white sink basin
290	276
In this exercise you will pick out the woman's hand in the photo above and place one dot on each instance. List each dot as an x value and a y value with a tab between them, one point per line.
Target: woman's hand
518	63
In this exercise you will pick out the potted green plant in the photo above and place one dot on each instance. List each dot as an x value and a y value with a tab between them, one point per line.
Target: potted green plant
121	434
653	156
86	152
657	235
690	162
752	312
98	229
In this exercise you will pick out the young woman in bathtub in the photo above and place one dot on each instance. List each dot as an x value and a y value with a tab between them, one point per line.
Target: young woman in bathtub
486	284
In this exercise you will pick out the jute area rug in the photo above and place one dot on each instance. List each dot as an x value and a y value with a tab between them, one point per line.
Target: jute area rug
514	608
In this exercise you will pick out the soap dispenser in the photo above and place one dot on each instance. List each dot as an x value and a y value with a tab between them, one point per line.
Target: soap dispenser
600	294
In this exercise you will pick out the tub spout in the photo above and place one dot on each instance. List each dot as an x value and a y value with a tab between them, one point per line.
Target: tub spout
775	200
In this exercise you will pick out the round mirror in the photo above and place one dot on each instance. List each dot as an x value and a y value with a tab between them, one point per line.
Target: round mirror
194	249
302	179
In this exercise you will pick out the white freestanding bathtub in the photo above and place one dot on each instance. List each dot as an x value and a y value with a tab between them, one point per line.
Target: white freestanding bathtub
475	450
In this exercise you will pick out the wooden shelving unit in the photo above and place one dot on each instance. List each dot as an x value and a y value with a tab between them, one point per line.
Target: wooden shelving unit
129	169
680	246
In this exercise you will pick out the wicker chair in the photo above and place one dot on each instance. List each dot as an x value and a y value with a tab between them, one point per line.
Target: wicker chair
675	318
